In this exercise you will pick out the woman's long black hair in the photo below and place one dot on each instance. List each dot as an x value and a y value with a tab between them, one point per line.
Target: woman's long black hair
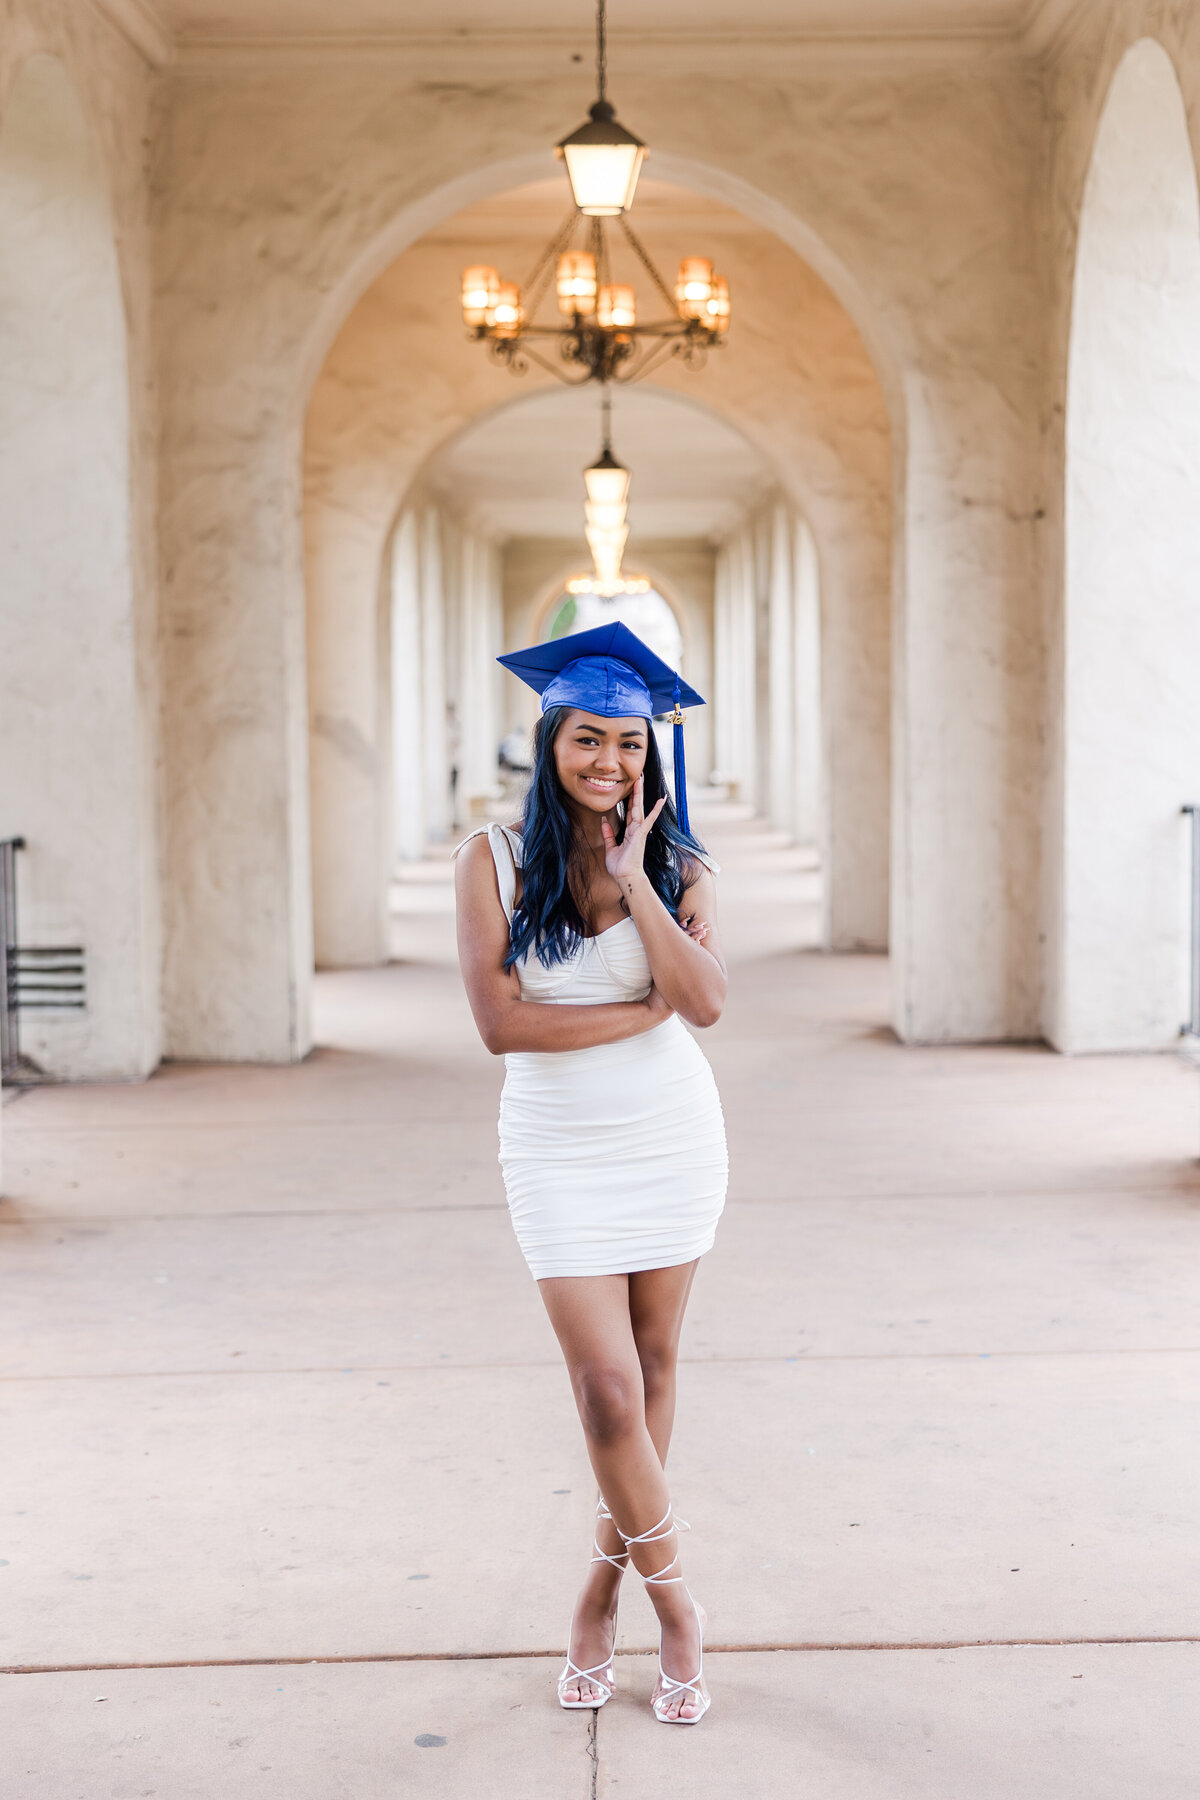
555	875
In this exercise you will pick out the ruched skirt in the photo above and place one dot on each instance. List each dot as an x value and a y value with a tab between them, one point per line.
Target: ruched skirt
613	1157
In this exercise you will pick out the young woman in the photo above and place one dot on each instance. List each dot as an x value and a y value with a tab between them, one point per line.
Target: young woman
588	940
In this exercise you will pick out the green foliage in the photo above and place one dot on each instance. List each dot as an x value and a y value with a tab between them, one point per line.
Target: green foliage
564	618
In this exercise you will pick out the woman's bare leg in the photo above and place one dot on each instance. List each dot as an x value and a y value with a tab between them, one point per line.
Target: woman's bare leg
657	1302
593	1318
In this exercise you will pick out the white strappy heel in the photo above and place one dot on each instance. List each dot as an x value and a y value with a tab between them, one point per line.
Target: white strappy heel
666	1525
602	1675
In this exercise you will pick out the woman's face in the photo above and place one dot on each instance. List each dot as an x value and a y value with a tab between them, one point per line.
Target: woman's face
599	760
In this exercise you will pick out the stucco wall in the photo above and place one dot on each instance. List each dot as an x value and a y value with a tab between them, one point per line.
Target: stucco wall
79	754
1078	89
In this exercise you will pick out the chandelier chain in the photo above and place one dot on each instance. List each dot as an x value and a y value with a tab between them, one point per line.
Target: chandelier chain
649	267
543	266
600	253
601	50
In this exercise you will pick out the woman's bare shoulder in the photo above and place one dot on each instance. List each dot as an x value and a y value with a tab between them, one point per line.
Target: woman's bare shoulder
473	858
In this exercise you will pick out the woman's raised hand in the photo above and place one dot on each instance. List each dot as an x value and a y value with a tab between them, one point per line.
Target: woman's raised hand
624	860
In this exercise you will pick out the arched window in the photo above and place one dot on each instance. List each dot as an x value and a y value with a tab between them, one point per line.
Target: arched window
643	610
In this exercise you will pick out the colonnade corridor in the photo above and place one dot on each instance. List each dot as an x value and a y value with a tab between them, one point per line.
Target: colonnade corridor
304	1503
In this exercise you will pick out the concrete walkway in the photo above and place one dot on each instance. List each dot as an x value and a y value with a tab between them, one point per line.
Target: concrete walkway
295	1503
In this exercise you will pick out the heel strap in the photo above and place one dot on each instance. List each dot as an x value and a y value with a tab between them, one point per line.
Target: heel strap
620	1558
664	1529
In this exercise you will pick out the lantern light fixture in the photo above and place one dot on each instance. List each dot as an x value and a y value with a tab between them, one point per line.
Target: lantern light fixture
607	481
603	160
505	315
588	584
479	288
616	307
604	515
576	283
718	306
599	337
605	528
694	287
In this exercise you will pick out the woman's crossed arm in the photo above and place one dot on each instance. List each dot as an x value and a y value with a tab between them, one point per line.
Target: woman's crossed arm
505	1021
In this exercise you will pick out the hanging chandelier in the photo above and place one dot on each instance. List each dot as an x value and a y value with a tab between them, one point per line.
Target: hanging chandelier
598	336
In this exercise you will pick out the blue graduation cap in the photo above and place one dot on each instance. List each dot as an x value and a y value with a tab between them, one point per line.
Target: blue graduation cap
609	672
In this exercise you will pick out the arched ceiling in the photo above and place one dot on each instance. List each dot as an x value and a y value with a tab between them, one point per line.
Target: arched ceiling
790	400
519	470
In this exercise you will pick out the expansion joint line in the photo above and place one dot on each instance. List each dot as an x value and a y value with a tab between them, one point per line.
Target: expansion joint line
593	1750
733	1649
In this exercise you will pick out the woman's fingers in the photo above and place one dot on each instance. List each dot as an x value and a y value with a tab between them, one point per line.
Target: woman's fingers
636	808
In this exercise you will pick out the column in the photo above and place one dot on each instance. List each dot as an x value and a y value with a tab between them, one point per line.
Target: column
408	823
435	767
781	682
734	676
808	804
481	629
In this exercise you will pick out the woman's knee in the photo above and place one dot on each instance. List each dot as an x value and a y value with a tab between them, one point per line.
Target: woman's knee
658	1368
610	1402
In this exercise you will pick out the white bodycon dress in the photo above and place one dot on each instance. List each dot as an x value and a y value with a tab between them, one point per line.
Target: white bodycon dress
613	1157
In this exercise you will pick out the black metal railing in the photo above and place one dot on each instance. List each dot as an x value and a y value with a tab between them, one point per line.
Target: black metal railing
1192	1028
52	979
10	1039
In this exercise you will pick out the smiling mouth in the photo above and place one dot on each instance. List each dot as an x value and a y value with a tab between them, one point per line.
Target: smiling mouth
599	781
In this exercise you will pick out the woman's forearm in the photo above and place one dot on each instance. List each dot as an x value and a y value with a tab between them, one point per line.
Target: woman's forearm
537	1025
688	977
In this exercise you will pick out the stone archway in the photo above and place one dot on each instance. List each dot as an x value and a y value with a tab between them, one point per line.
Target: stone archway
399	379
76	718
1132	625
278	233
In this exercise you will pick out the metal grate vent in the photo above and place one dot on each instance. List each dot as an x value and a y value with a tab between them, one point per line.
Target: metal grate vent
54	979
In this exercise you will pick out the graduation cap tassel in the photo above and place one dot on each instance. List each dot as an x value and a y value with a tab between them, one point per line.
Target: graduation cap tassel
681	809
